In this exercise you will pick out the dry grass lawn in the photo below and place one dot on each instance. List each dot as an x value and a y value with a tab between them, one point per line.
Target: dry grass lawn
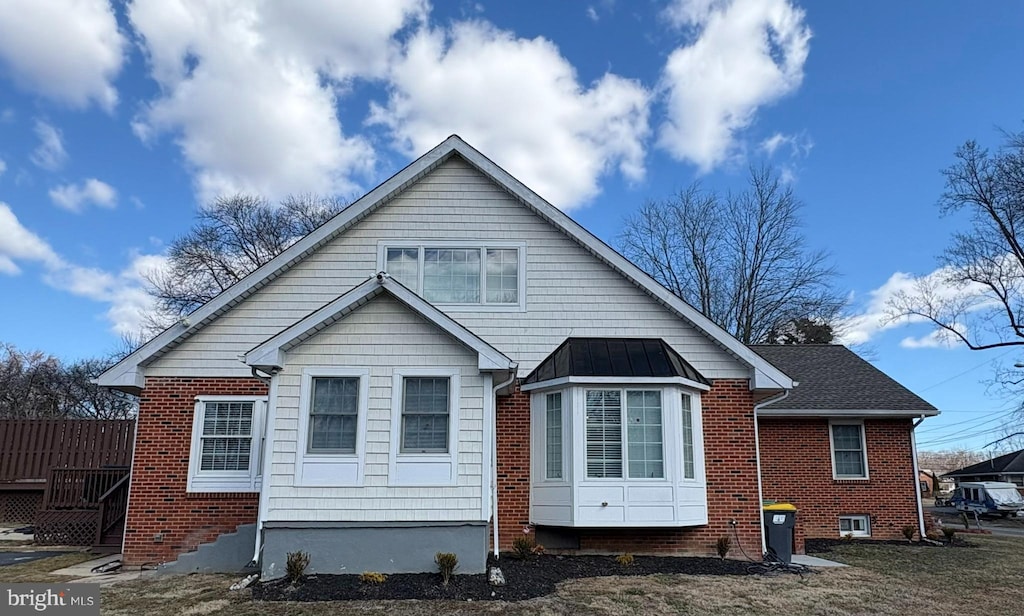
39	570
884	579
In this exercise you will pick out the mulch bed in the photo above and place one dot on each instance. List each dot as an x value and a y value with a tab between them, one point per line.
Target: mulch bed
525	579
824	546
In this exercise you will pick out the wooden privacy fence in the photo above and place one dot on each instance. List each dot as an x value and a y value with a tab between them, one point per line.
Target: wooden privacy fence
29	448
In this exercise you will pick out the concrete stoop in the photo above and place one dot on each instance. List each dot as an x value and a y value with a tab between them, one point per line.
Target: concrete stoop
229	553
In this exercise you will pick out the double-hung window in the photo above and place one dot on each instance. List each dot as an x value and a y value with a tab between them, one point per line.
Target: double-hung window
849	455
333	415
644	434
425	414
226	443
461	274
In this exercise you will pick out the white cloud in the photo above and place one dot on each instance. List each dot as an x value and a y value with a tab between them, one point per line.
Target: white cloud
250	90
937	339
873	318
69	51
592	14
75	197
19	244
520	102
50	153
124	291
3	166
743	54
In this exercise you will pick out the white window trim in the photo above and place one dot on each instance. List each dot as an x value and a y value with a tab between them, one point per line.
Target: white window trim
539	402
302	453
856	533
481	306
228	481
454	401
864	449
667	474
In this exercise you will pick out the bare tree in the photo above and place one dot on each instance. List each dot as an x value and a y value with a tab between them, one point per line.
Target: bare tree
35	385
231	238
977	296
740	259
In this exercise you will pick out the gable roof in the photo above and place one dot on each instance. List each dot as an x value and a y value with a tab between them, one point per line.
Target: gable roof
1006	464
836	381
614	357
270	355
129	372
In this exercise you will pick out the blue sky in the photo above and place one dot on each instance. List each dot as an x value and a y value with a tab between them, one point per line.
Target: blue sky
118	121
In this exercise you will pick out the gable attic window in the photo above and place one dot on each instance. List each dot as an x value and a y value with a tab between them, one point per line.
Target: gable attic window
460	274
226	444
616	436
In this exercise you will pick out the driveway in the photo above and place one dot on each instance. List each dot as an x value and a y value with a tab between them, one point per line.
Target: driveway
17	558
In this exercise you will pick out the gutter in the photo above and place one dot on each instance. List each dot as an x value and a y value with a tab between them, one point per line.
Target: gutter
513	372
757	452
917	475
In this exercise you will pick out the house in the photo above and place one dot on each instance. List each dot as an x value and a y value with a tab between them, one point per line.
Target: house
933	483
1007	467
841	446
452	359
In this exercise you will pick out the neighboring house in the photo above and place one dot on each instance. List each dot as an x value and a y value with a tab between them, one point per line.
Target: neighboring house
452	351
840	446
1007	467
933	483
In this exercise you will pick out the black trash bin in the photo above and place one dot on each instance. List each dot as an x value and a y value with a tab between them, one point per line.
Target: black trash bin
779	521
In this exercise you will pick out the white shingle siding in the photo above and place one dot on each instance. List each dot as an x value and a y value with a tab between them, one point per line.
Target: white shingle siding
381	336
569	291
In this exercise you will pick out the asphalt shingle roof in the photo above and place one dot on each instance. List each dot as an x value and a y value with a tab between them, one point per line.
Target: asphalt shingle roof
832	377
1010	463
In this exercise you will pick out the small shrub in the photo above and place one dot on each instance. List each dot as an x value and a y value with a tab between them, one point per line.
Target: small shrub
934	535
723	545
372	577
295	565
950	534
447	563
626	560
848	537
908	532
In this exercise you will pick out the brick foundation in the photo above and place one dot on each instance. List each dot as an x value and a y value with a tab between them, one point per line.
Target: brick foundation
159	503
731	478
796	466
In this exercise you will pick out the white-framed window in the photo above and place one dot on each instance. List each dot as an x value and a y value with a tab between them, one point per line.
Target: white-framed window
849	452
460	274
424	426
855	525
643	440
333	403
227	444
553	437
426	407
689	471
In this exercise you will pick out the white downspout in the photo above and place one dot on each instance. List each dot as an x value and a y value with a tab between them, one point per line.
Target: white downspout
757	452
917	475
514	370
269	419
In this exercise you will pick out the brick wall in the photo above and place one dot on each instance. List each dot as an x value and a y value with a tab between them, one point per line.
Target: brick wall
796	466
159	503
731	478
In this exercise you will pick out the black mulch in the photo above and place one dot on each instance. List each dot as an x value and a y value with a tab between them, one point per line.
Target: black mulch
823	546
525	579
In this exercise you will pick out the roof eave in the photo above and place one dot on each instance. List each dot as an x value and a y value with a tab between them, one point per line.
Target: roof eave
901	413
